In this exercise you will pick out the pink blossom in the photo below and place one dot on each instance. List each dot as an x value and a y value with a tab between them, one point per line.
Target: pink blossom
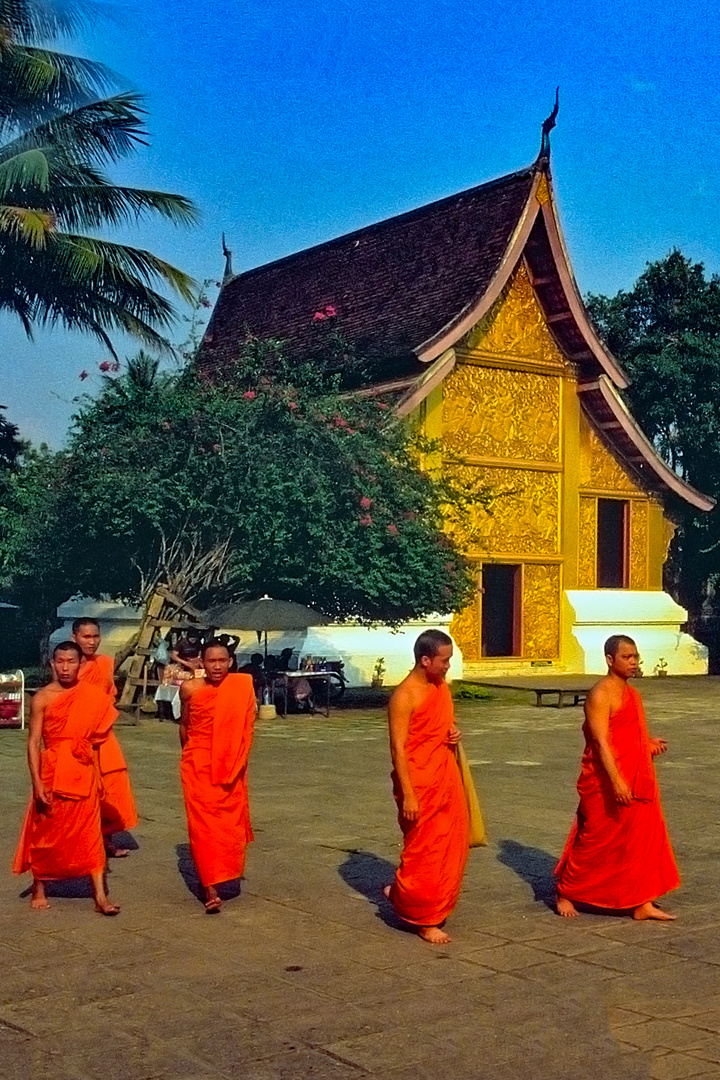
381	405
84	375
366	520
330	311
392	529
249	395
205	302
165	425
105	366
365	502
216	447
115	366
292	405
318	317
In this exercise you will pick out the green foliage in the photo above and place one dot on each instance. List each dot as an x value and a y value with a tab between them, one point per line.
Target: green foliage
666	332
57	132
10	444
271	480
463	691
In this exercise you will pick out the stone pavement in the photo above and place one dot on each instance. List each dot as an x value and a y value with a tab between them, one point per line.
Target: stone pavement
305	975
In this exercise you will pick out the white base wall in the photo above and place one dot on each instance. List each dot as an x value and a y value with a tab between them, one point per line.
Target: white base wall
653	619
359	647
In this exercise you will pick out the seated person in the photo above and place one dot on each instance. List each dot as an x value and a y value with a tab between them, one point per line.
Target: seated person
186	663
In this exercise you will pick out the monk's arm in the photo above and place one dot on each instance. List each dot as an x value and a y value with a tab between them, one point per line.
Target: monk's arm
37	712
186	692
399	711
597	713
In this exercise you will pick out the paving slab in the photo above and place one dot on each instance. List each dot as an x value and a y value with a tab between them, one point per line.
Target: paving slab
307	973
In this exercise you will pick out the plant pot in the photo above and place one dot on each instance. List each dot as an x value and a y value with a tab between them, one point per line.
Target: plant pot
376	683
267	712
662	674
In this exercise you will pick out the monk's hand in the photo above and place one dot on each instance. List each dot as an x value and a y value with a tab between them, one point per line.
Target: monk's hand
657	746
454	736
43	798
411	807
623	792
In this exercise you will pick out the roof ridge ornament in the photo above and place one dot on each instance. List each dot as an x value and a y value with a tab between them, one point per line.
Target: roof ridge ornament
547	127
229	273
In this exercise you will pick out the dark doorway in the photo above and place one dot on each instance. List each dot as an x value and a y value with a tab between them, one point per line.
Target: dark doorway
612	543
500	610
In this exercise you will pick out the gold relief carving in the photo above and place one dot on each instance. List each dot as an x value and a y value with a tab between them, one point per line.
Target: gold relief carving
639	540
542	193
523	518
600	469
541	612
465	630
516	325
492	412
587	544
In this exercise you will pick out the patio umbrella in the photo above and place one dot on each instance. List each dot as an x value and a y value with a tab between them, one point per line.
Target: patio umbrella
267	614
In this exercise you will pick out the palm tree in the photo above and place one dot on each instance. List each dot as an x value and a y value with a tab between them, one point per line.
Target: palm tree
57	132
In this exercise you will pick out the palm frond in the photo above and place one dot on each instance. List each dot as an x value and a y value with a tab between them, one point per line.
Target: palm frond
27	224
45	20
99	131
36	84
27	170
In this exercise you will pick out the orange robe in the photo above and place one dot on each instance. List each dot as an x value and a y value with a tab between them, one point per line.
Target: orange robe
117	805
618	856
427	883
67	842
213	771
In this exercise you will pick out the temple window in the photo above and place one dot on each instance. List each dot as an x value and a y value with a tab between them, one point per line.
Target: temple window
501	607
613	526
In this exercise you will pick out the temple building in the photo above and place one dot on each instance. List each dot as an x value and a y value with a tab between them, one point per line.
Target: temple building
488	346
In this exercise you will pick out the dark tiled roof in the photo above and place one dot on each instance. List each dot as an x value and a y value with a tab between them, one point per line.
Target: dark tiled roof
393	285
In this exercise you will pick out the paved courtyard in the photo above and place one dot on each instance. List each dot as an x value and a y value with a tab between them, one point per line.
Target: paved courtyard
305	974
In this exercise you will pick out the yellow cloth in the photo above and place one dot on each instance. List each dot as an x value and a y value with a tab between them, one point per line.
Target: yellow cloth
478	834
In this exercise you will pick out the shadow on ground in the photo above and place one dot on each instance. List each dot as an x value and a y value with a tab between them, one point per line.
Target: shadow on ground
533	865
367	874
227	890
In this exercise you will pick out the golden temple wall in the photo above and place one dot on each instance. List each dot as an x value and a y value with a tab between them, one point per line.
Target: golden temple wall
509	418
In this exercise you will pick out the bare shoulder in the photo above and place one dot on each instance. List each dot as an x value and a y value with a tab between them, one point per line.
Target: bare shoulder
190	687
406	697
600	693
43	696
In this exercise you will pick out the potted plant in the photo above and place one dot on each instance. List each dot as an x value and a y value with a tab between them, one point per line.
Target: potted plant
661	668
378	673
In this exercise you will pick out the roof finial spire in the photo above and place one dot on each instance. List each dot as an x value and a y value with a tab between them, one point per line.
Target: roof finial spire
228	260
547	127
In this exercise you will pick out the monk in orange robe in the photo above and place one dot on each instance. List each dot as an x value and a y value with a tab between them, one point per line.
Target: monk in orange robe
618	855
117	805
216	730
428	790
61	835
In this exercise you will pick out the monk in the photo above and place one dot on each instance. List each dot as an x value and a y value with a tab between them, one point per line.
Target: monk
428	790
62	837
117	805
618	855
216	730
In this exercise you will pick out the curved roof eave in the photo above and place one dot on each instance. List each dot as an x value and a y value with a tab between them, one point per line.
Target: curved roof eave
451	333
623	424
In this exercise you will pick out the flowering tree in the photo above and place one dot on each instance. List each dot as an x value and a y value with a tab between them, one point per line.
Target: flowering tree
271	479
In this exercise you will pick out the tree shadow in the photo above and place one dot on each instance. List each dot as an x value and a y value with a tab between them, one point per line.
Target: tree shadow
533	865
227	890
368	874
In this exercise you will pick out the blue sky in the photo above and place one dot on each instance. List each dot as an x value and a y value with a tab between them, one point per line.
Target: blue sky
292	122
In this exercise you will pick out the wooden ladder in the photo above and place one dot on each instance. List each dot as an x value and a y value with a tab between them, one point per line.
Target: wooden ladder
164	611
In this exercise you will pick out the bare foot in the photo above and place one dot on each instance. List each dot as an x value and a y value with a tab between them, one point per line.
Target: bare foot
105	907
386	891
39	901
213	903
434	935
652	911
566	908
